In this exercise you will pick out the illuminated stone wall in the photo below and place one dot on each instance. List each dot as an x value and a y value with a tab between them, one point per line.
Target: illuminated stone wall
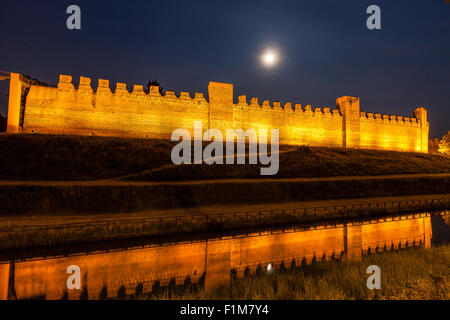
66	110
399	133
83	111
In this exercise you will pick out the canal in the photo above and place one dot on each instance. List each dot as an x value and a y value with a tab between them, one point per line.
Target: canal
127	267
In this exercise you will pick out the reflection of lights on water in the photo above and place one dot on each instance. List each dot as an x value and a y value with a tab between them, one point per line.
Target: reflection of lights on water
269	268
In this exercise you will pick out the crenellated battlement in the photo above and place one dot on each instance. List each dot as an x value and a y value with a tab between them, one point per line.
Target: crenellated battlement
390	119
66	85
114	110
287	108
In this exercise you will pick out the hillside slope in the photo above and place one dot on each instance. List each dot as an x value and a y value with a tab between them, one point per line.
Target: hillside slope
50	157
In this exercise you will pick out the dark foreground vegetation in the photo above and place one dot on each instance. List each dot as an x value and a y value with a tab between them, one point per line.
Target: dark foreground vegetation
408	274
53	157
112	197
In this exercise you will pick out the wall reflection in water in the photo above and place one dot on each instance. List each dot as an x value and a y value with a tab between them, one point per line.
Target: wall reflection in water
109	274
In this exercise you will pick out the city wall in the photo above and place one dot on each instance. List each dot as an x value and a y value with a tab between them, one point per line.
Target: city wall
83	111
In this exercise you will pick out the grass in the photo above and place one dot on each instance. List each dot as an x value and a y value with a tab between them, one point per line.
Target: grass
59	157
53	157
111	198
78	158
307	161
410	274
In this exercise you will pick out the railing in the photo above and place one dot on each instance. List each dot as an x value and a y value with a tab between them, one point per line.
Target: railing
4	75
171	225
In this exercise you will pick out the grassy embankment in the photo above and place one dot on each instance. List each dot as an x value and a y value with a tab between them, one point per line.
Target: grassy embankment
410	274
42	157
136	161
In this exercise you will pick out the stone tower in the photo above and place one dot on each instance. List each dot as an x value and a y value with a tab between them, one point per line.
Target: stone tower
421	115
349	108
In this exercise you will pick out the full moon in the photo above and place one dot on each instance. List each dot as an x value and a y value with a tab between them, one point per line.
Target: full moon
269	58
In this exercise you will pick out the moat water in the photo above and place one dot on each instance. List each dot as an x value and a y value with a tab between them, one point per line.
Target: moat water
127	268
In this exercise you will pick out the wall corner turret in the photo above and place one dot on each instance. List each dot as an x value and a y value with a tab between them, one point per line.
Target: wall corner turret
16	90
421	115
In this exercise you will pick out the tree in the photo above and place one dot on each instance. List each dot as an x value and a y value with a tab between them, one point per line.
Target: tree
153	83
34	81
444	144
433	146
31	82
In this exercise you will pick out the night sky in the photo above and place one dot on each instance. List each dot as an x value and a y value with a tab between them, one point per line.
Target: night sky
326	51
